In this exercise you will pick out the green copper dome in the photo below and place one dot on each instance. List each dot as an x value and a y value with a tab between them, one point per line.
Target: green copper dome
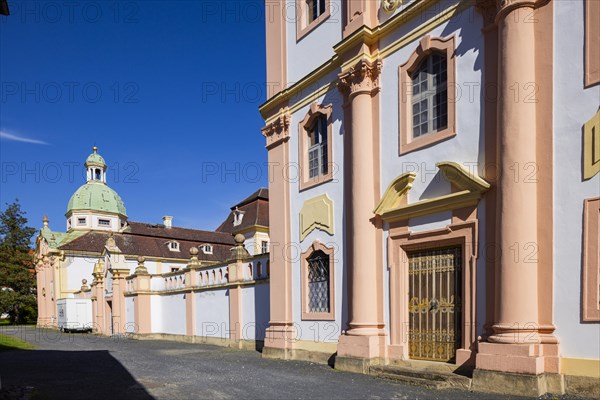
95	158
96	196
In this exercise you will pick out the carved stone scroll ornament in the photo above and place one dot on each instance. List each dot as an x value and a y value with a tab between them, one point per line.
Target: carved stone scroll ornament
278	130
363	77
390	6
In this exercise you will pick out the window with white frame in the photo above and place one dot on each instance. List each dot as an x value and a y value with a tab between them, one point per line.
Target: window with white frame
317	150
173	246
104	222
314	9
207	249
430	96
80	221
264	246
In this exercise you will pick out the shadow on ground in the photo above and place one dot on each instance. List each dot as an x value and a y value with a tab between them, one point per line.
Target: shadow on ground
67	375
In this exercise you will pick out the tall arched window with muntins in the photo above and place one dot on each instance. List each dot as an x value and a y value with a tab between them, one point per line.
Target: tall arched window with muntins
315	155
427	112
430	95
318	157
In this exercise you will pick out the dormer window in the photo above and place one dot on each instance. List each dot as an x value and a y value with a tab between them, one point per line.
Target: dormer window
80	221
173	246
207	248
238	216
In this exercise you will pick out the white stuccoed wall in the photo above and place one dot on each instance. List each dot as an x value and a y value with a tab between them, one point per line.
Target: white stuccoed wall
172	315
212	318
255	311
573	106
319	330
78	268
130	315
313	49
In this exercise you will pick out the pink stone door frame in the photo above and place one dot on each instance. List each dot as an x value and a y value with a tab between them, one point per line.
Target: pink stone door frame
401	241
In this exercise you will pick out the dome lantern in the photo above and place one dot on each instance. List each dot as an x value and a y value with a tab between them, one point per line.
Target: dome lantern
96	167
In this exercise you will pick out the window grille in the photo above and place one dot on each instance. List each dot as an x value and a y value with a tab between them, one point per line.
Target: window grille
318	282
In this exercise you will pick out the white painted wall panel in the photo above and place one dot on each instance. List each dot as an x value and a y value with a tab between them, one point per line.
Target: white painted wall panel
212	318
574	105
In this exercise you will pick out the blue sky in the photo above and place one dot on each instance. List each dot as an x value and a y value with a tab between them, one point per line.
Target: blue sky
168	91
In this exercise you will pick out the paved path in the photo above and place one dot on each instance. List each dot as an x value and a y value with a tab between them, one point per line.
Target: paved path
83	366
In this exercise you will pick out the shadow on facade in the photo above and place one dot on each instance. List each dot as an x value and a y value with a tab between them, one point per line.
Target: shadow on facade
68	375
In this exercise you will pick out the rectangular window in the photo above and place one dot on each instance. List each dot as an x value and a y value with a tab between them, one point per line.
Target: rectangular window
315	9
264	247
104	222
81	221
309	15
318	283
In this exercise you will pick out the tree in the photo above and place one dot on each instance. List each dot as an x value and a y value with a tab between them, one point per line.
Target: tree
17	274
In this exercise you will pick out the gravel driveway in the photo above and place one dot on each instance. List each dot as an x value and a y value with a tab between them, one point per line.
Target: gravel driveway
84	366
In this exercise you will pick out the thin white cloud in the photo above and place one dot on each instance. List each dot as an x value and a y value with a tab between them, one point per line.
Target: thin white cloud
17	138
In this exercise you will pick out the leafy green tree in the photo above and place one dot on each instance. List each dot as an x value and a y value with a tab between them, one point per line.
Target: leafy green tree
17	274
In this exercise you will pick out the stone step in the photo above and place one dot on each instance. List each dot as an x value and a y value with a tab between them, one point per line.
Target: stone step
429	379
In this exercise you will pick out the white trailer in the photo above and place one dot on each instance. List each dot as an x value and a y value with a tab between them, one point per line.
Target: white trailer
74	315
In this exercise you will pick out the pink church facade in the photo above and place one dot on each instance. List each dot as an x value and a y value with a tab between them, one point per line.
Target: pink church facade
434	187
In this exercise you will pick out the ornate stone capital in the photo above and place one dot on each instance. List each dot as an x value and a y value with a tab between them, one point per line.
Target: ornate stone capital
279	130
362	78
495	10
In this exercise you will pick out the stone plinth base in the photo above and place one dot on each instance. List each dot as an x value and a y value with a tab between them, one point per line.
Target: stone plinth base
358	353
277	353
279	341
361	346
517	384
532	359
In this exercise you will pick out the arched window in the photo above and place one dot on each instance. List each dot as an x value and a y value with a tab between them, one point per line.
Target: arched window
427	94
318	282
250	271
430	95
317	147
268	268
259	271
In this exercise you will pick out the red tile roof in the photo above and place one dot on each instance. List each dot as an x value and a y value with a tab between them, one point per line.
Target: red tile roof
256	212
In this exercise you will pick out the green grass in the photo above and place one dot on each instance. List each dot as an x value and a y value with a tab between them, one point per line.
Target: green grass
8	343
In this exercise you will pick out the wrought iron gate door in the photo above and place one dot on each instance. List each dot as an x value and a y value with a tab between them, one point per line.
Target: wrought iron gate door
434	289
